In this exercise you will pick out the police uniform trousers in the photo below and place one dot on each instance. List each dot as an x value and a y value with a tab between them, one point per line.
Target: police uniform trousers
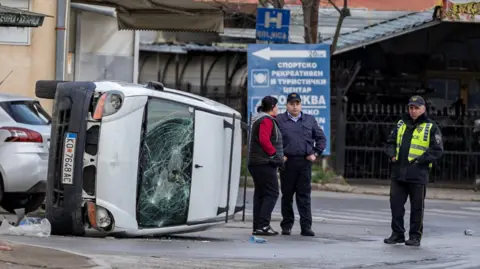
265	194
399	192
296	179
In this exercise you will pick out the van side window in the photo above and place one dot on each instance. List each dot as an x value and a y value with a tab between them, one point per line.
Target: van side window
167	152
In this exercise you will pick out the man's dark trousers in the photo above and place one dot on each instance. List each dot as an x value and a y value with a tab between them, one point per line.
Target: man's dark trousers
296	179
265	194
399	192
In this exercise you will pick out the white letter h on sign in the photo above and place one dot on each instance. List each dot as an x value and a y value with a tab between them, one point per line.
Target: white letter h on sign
277	20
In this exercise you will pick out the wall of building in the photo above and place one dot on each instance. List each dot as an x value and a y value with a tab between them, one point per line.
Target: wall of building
102	52
28	54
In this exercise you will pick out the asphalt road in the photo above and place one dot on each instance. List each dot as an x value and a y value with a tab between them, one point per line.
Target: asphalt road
350	230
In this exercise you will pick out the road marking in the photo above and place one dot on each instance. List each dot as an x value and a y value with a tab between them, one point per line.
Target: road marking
453	212
352	217
336	217
382	216
472	208
442	213
448	265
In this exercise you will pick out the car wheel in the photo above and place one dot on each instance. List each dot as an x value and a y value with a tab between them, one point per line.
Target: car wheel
30	202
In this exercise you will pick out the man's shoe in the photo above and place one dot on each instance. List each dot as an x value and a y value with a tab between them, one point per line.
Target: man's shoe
394	239
307	232
286	232
413	242
265	231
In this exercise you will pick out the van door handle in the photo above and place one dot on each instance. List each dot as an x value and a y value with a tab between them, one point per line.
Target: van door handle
198	166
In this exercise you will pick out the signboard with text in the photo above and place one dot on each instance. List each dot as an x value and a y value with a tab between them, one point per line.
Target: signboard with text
273	24
461	10
281	69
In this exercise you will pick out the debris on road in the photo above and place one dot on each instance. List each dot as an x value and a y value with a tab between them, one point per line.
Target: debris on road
254	239
469	232
5	246
29	226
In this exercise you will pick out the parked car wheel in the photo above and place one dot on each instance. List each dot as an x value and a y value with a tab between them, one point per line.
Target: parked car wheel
30	202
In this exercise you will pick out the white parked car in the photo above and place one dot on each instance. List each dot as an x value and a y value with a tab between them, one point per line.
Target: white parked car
139	159
24	144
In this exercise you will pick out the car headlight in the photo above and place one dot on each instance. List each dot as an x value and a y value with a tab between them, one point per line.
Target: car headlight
109	103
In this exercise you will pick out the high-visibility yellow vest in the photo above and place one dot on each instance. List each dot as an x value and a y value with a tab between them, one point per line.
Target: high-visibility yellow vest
420	139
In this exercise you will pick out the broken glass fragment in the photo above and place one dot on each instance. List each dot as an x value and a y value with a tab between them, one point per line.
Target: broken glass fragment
166	165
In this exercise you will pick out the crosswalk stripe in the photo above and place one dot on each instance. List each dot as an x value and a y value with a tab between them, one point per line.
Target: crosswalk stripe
441	213
472	208
324	217
372	216
343	216
454	212
449	265
369	212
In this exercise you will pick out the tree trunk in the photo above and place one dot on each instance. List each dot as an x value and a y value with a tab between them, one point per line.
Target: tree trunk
307	15
310	20
314	20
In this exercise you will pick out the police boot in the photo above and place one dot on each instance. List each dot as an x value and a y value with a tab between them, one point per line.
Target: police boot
394	239
413	241
307	232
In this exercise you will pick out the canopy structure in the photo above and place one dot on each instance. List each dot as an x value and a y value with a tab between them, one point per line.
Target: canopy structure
14	17
165	15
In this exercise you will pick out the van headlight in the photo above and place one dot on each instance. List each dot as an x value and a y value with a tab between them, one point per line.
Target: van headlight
103	218
109	103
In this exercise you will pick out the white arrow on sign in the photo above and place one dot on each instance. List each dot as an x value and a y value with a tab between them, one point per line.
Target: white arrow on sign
267	53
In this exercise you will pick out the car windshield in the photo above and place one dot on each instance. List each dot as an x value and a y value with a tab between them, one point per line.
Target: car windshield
165	165
27	112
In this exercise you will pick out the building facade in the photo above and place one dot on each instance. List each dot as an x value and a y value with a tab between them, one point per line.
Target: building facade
28	54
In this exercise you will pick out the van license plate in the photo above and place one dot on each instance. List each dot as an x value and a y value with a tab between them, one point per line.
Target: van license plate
69	158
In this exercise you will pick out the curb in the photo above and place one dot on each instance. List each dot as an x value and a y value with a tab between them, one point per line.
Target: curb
92	262
332	187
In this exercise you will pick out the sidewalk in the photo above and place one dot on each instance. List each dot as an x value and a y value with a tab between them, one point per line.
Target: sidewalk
13	255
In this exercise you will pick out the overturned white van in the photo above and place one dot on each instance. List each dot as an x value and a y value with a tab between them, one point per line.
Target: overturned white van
136	160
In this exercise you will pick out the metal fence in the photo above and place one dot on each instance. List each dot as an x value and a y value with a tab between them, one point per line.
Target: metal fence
367	129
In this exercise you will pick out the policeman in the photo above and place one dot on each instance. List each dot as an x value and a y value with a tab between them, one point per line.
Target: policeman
413	145
303	142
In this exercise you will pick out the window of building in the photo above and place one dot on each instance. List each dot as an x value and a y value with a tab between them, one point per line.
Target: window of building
15	35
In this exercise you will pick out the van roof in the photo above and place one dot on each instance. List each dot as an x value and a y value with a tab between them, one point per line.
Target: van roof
130	89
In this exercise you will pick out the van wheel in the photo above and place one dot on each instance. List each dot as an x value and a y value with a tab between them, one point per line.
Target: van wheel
47	88
30	202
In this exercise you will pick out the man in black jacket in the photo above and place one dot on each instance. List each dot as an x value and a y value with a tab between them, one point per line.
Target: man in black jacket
413	145
303	142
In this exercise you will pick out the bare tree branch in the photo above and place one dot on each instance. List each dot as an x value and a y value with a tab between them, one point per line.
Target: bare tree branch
263	3
344	12
278	3
334	6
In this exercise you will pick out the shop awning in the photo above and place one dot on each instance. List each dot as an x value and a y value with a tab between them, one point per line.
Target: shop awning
14	17
165	15
385	30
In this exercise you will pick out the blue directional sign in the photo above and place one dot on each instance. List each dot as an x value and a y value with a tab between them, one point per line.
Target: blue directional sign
272	24
281	69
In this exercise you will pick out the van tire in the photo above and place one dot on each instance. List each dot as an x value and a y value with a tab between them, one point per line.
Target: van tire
47	89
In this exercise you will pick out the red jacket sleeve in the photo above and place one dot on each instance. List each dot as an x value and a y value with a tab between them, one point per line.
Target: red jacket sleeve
264	134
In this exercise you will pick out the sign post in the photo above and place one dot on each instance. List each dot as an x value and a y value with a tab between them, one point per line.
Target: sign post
281	69
273	25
